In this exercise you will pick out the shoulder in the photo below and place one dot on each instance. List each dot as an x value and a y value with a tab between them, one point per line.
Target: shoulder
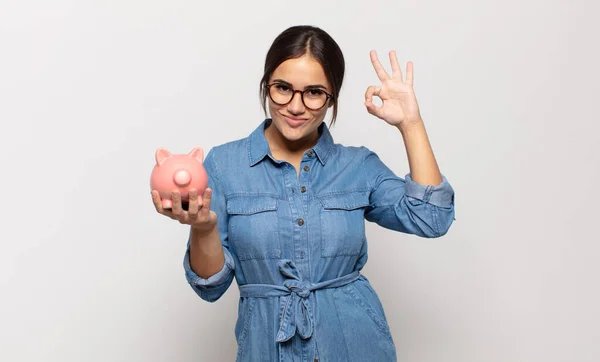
227	149
359	160
226	154
352	153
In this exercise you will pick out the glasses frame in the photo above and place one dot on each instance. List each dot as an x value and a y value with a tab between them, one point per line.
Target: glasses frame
294	91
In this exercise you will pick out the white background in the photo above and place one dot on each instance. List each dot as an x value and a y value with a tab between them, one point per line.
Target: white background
89	89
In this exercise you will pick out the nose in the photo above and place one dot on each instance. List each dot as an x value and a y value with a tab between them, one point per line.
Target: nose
296	106
182	178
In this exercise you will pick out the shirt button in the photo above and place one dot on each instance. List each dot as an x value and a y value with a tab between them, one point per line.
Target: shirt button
310	153
302	189
306	168
300	222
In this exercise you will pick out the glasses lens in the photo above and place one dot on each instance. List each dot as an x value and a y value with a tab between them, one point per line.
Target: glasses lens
280	94
314	98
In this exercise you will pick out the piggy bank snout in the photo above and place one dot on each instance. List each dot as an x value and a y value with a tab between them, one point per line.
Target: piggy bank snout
182	178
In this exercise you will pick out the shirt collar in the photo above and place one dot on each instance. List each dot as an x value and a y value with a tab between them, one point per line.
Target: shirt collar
258	148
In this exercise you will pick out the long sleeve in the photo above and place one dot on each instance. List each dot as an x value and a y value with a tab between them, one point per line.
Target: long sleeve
212	288
404	205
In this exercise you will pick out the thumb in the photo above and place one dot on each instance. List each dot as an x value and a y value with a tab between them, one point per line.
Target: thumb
373	109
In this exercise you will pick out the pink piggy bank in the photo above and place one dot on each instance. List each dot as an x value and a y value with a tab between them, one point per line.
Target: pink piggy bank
178	172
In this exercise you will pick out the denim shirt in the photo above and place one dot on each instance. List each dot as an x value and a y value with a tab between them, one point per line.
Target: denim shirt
295	243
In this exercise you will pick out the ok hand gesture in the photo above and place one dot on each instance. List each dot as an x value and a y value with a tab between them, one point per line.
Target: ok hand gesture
399	104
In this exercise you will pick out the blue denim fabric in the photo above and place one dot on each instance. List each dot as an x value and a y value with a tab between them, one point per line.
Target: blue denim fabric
296	244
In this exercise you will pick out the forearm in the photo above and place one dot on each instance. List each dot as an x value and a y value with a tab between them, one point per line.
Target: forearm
421	160
206	252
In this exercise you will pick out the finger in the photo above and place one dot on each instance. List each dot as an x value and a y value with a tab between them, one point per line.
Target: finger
410	73
158	205
176	209
207	198
193	204
371	92
157	201
371	107
178	212
381	73
396	71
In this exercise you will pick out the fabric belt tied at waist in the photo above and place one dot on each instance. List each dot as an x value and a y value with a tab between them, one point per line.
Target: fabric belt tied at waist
296	315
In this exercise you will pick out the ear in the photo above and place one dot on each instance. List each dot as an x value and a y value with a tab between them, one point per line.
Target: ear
162	154
197	153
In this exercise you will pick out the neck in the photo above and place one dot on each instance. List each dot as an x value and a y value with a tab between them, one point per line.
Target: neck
279	144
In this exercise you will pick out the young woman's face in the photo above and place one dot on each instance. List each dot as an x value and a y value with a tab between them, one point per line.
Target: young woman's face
294	121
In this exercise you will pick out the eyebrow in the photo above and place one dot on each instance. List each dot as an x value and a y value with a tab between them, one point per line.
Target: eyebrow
312	86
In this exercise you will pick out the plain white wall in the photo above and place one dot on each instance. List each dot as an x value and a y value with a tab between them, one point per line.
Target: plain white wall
89	89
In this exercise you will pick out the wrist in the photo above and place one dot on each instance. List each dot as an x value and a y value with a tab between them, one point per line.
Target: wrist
409	127
203	235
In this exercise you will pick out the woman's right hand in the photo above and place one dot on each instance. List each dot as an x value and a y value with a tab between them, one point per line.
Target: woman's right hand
198	216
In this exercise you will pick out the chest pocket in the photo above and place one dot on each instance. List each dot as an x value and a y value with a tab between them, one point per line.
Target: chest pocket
254	227
343	223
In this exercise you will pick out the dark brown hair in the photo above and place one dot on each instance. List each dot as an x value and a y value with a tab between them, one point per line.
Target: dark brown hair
295	42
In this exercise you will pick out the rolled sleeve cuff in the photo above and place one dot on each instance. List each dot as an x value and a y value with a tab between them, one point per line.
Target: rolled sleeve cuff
215	280
441	195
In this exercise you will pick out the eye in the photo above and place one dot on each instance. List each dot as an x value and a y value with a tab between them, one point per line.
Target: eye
315	93
282	87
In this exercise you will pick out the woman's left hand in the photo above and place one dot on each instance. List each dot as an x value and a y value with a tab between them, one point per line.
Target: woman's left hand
399	103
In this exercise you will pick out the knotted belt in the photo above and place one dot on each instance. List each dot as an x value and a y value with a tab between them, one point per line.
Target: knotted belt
296	315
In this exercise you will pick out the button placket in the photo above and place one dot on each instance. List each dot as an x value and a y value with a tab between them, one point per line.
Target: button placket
302	247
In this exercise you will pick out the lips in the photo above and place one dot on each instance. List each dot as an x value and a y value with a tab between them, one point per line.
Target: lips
295	122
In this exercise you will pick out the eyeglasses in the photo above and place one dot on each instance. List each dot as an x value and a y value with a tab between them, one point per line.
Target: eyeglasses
312	98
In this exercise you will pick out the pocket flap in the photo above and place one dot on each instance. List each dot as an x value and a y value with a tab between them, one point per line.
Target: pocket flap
247	205
347	201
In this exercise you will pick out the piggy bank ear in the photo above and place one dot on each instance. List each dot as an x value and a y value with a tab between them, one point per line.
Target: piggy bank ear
162	154
197	153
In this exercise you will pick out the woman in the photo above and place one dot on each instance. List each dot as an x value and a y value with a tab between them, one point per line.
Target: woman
285	208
